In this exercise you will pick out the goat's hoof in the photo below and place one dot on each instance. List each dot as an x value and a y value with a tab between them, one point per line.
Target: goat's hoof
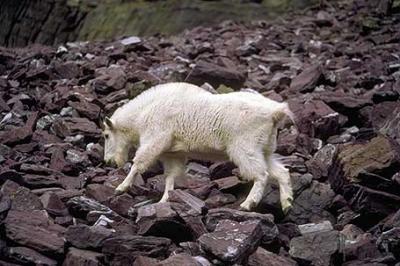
245	206
287	205
120	190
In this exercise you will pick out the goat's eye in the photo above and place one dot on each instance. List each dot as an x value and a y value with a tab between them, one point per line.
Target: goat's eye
106	136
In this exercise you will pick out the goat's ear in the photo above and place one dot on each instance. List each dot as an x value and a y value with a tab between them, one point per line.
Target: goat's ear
108	123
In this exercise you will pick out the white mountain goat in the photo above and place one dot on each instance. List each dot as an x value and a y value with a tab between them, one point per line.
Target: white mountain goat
177	121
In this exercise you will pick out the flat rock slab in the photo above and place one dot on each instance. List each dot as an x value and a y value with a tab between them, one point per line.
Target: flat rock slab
268	227
267	258
29	256
307	80
216	75
232	241
78	257
126	248
34	229
87	237
316	248
311	204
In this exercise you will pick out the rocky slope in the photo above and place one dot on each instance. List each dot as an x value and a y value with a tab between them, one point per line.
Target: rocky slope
56	21
339	68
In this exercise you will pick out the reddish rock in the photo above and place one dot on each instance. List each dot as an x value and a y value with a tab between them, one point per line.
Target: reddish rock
124	249
78	257
33	229
307	80
73	126
99	192
268	228
315	118
28	256
87	237
21	134
216	75
53	205
264	257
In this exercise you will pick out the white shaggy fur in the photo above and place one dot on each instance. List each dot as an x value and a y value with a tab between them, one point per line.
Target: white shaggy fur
177	121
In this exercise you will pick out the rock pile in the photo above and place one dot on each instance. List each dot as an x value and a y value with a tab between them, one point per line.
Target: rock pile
339	69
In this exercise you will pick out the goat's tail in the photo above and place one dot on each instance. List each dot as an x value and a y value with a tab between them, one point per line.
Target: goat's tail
283	112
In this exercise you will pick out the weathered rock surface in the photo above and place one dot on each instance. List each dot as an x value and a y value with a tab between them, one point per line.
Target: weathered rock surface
316	248
57	201
233	247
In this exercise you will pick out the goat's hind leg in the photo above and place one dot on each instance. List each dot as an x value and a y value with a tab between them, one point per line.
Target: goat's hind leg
147	153
173	167
279	172
252	166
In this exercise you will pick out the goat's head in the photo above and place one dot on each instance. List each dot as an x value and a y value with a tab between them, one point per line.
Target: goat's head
116	145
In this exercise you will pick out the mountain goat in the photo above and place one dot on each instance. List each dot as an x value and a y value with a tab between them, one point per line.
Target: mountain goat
177	121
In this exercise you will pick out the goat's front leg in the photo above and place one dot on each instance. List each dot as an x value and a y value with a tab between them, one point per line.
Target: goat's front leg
148	152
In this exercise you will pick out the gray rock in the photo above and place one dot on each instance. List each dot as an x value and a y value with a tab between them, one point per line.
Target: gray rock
232	241
316	248
78	257
124	249
87	237
266	258
35	230
268	228
315	227
29	256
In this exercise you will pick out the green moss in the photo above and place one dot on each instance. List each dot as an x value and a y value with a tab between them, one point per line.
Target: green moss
224	89
112	18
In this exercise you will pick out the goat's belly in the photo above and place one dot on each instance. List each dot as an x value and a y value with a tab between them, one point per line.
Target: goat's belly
197	153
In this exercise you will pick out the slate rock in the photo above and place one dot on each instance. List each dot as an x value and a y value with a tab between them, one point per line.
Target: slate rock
40	181
145	261
315	118
268	228
121	204
307	80
216	75
70	126
311	204
389	241
315	227
124	249
316	248
20	134
232	241
160	220
78	257
99	192
87	237
180	259
383	117
362	247
189	205
24	200
221	169
264	257
27	256
81	206
319	165
33	229
53	205
5	205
